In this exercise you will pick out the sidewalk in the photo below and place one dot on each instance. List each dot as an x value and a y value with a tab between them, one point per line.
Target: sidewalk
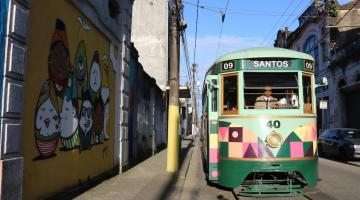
147	180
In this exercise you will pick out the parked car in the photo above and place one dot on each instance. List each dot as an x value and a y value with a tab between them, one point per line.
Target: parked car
343	143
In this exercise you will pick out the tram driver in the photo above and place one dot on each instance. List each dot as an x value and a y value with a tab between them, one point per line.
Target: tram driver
266	101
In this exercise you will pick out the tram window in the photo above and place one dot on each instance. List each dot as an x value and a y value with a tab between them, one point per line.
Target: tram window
271	90
214	97
307	90
230	94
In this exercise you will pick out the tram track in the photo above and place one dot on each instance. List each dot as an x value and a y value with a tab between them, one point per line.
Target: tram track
310	194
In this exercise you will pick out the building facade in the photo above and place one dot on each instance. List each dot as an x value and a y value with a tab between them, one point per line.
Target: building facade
147	108
315	36
150	35
345	67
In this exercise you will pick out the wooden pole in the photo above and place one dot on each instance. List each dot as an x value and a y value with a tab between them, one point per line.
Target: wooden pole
173	115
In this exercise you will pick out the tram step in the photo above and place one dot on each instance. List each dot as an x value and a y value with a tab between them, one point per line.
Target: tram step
269	190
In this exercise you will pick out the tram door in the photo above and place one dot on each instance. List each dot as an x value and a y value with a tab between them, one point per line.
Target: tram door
211	107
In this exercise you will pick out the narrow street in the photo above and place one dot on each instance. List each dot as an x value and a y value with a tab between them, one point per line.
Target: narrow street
114	99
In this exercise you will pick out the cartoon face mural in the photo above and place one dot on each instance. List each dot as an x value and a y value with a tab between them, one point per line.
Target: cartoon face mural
80	69
106	121
105	90
86	122
46	121
69	121
95	74
59	60
57	114
98	121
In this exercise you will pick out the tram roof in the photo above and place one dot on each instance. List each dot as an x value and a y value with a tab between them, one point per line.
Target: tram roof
264	52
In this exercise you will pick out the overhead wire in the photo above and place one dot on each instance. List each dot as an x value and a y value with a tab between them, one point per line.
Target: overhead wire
294	20
247	12
267	35
196	29
293	10
186	57
186	52
223	15
237	11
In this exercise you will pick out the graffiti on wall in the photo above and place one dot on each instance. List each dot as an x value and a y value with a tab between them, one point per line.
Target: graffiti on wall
73	104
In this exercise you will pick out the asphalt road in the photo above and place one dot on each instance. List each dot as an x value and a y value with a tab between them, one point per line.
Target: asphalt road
339	180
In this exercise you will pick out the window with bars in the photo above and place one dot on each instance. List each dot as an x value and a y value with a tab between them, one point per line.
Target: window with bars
271	90
312	47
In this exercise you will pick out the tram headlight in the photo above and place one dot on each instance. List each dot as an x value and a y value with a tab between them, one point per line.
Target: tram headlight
274	140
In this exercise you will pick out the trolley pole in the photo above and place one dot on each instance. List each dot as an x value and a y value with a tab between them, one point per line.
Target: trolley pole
173	149
193	128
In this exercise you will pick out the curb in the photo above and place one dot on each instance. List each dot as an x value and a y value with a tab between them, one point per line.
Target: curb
183	177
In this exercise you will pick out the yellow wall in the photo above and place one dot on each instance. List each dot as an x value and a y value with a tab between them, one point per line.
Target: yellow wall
47	175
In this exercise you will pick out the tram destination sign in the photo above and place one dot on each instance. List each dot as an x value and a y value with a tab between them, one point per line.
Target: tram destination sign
277	64
270	64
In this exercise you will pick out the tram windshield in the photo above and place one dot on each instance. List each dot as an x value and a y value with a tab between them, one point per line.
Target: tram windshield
271	90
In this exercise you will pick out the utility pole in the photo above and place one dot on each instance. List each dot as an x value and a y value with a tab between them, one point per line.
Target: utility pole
173	115
194	105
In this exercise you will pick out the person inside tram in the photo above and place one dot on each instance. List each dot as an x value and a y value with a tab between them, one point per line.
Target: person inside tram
290	100
266	101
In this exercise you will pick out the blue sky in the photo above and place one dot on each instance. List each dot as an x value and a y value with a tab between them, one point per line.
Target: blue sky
248	23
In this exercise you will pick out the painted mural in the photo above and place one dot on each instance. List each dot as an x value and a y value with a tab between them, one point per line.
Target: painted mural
69	107
73	105
233	141
242	143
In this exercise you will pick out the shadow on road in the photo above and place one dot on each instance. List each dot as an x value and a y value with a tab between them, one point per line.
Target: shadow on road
353	162
174	178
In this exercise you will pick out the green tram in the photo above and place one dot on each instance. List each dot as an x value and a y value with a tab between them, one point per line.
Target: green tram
259	122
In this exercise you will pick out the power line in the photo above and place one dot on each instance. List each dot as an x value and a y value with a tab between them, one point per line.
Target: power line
310	2
267	35
297	5
222	25
196	28
186	52
247	12
233	11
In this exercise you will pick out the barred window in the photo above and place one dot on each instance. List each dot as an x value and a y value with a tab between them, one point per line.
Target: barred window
271	90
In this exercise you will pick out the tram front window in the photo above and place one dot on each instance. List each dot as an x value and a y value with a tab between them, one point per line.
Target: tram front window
271	90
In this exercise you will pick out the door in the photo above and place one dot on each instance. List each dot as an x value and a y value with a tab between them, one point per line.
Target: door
352	109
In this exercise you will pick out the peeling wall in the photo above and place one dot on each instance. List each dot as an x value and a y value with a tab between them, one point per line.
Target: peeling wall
147	106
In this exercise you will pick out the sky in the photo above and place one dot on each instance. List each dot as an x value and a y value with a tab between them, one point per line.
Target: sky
248	23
